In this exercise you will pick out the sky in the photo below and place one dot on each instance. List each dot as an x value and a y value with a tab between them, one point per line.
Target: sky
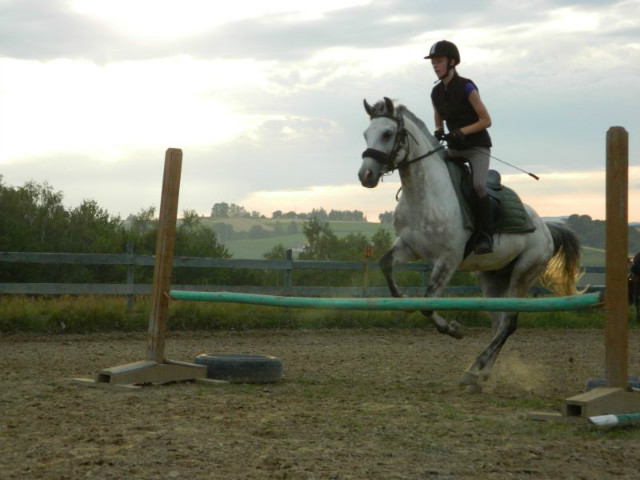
265	98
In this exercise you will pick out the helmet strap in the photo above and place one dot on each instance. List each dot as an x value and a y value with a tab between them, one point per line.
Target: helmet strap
446	74
449	68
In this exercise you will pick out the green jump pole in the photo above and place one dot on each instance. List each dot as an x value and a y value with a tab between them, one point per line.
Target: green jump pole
547	304
615	420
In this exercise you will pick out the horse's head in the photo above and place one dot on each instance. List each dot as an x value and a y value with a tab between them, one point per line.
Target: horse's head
386	142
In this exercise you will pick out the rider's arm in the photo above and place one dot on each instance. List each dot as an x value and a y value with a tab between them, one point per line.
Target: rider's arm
438	119
484	119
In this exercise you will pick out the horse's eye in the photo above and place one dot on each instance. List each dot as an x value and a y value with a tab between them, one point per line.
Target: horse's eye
387	135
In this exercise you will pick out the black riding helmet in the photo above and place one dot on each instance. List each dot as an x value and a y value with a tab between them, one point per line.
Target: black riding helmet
444	48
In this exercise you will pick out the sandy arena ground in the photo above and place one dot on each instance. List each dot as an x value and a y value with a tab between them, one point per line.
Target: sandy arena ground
354	404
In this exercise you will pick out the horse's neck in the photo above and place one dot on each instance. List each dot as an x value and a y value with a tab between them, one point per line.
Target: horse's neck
427	181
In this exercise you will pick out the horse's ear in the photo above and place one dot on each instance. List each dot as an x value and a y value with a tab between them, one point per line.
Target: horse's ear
389	104
368	108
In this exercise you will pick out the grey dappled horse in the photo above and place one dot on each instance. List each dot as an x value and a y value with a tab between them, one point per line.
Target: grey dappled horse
429	226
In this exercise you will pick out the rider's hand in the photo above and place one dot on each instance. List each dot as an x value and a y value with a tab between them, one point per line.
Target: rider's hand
456	136
439	134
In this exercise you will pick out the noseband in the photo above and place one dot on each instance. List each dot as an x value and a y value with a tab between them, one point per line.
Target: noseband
399	154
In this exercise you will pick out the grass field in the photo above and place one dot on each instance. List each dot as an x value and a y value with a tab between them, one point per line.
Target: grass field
84	314
256	248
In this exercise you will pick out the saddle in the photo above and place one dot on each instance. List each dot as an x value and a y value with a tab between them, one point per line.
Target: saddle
509	214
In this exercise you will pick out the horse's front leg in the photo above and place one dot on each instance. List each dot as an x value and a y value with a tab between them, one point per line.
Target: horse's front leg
440	275
480	369
400	252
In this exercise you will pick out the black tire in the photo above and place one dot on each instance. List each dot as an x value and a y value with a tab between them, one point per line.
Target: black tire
633	382
241	368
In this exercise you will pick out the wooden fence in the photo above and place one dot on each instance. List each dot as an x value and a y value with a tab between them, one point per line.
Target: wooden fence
131	261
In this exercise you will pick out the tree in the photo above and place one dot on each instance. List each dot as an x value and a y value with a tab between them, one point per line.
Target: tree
193	239
237	211
196	240
224	231
33	218
351	247
320	214
220	210
386	217
190	220
382	241
91	229
346	215
256	232
321	241
275	277
142	231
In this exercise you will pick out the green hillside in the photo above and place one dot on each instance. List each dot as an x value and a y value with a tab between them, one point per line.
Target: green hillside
256	248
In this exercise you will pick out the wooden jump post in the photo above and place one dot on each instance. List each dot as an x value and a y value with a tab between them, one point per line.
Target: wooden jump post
617	247
155	368
616	397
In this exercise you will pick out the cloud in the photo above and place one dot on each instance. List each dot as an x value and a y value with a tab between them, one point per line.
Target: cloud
553	195
267	96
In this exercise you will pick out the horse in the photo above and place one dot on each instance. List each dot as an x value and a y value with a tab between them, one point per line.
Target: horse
634	283
429	226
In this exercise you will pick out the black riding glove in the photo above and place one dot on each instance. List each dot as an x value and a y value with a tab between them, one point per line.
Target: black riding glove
439	134
456	139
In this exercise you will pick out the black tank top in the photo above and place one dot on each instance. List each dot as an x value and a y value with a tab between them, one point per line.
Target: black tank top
454	107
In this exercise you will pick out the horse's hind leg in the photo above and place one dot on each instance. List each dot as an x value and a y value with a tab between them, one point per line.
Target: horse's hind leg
398	253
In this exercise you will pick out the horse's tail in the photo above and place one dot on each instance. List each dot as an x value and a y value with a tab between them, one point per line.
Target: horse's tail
563	269
635	264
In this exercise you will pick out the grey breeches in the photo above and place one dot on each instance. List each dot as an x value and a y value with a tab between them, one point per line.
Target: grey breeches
479	160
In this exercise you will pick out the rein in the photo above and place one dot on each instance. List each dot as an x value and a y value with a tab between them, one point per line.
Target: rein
421	157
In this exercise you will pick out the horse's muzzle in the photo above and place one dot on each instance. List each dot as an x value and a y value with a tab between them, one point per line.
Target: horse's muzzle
368	178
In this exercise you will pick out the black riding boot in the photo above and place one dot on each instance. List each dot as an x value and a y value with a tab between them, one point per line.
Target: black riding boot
484	243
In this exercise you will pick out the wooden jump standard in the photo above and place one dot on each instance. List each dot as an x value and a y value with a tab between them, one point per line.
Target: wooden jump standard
155	368
616	398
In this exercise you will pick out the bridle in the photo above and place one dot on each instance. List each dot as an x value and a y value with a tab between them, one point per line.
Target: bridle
398	157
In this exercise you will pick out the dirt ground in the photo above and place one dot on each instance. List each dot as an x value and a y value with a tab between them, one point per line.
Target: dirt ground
354	404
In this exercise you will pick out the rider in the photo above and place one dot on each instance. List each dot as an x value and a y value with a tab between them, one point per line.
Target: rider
456	100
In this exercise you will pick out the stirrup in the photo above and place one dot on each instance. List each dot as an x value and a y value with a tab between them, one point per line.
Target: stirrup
484	244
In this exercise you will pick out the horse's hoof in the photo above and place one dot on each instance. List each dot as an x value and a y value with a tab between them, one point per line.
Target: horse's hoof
456	330
474	389
469	379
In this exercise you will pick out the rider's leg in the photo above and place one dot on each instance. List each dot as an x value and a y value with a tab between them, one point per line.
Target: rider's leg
479	160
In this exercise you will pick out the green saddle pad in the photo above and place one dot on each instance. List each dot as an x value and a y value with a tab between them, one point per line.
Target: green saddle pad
509	215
